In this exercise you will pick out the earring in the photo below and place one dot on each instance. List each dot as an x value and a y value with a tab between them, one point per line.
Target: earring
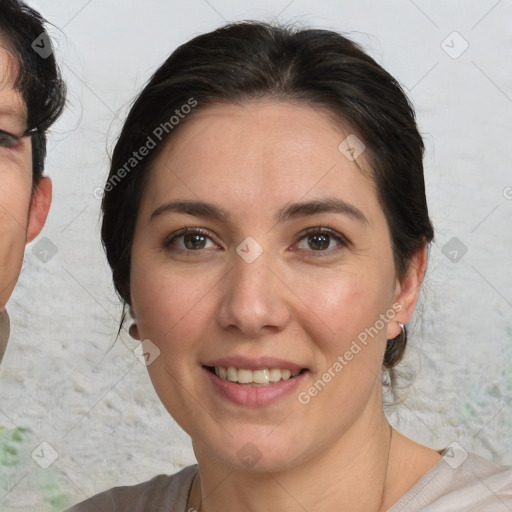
5	329
402	327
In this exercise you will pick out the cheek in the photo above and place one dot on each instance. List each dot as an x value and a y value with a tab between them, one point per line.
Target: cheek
342	304
352	349
14	208
171	307
174	310
15	195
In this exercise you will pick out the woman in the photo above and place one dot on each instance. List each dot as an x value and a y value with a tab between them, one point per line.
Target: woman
31	98
266	224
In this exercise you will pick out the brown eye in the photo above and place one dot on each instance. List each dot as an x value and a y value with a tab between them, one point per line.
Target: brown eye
189	240
322	240
319	242
194	241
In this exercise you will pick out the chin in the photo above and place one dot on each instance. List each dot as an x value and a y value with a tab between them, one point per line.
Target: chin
254	449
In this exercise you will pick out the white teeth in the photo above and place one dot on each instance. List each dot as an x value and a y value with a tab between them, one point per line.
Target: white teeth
275	374
244	376
232	375
261	377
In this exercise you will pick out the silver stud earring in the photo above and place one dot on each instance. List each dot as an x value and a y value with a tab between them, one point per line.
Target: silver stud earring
402	327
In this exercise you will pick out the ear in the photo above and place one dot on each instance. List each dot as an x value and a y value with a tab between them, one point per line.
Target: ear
133	330
39	207
407	291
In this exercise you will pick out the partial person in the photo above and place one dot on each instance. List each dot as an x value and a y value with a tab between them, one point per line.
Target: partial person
32	96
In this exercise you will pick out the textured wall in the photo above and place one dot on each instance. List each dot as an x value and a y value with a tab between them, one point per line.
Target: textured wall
94	407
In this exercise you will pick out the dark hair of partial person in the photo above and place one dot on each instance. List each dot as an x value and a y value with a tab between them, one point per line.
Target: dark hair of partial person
246	61
38	80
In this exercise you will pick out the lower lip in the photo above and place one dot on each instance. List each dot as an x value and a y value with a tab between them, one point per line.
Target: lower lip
254	396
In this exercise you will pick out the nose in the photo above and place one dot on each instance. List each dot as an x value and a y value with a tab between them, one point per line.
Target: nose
254	298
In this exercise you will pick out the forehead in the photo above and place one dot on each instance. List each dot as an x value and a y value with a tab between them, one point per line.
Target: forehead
277	149
12	104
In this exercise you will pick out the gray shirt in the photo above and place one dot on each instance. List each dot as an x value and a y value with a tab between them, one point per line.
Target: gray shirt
458	482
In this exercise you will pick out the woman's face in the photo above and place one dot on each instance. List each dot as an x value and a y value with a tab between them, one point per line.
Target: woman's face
17	224
286	262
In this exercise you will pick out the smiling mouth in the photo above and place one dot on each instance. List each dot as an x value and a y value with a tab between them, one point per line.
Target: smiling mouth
260	377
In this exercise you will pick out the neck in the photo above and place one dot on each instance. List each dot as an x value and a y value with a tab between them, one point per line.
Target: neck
352	475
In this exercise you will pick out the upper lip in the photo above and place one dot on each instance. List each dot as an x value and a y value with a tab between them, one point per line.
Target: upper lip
254	363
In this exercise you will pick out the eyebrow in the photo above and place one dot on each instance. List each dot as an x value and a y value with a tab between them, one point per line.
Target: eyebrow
291	211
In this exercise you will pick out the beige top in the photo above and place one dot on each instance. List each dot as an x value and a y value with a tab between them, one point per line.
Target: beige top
458	482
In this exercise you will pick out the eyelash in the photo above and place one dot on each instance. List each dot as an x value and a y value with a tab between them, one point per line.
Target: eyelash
8	140
342	240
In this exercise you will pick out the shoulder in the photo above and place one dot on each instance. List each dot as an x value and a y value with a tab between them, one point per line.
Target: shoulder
155	495
460	481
